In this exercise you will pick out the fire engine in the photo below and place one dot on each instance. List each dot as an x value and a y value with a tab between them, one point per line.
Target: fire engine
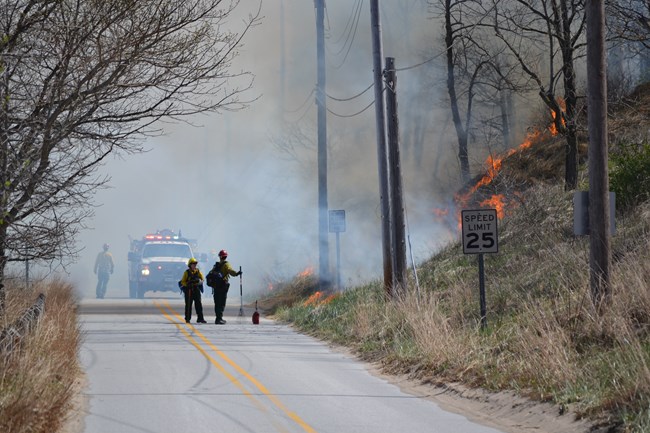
157	262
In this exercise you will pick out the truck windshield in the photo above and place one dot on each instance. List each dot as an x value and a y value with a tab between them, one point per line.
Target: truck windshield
167	250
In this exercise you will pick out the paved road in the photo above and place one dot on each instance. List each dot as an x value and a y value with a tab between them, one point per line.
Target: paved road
149	372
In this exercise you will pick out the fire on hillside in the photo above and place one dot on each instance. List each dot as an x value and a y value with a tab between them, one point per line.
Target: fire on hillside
493	166
305	273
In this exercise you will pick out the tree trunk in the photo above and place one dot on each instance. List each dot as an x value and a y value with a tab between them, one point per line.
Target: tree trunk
571	150
571	101
571	169
453	98
3	264
505	121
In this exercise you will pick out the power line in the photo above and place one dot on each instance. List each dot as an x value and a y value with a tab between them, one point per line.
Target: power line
304	114
419	64
302	107
303	104
352	115
351	36
350	98
347	26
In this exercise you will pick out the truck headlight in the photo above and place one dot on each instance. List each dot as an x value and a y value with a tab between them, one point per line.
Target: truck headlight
145	271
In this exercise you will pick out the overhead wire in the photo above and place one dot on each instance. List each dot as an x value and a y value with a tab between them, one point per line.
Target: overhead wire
354	114
417	65
352	97
358	112
345	34
303	115
351	36
302	106
347	26
357	95
350	32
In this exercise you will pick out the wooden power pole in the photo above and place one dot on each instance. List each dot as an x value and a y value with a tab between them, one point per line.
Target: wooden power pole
323	243
398	231
382	157
599	224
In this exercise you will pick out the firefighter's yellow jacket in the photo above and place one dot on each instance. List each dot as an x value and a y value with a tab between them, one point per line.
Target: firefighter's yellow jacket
192	278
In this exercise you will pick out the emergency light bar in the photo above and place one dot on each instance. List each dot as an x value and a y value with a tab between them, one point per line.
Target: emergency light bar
161	237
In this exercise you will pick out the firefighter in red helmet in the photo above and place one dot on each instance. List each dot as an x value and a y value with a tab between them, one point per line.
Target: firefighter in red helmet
223	270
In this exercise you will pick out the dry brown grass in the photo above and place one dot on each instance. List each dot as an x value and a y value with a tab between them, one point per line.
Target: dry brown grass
36	381
285	294
545	339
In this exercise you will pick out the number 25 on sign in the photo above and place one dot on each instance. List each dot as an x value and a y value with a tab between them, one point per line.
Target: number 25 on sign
479	231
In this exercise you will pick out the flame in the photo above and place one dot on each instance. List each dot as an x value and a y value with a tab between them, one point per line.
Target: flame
313	299
307	272
497	201
493	167
317	299
493	164
552	128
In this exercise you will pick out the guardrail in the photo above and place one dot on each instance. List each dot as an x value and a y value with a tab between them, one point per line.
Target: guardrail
11	336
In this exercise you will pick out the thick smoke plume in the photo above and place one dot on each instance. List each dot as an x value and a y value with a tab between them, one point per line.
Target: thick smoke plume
246	181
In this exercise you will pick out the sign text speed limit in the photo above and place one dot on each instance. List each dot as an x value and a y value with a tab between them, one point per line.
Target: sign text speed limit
479	231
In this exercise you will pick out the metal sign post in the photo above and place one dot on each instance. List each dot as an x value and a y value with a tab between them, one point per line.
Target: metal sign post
480	236
337	225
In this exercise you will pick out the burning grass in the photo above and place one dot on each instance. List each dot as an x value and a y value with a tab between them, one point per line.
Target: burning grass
284	293
37	381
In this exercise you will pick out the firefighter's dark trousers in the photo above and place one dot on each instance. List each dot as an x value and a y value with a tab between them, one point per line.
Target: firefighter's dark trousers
220	295
193	295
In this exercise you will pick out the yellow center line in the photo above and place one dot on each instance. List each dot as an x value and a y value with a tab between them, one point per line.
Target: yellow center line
214	362
273	398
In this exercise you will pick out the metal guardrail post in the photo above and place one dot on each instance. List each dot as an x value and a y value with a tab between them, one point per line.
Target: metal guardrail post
11	336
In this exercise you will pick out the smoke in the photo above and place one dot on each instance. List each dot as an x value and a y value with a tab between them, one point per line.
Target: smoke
246	181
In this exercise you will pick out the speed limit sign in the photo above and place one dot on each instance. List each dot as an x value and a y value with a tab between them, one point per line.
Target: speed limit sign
480	231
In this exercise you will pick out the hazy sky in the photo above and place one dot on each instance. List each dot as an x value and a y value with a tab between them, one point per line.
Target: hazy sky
227	183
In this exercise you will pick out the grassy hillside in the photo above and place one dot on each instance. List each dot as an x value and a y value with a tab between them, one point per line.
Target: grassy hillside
545	340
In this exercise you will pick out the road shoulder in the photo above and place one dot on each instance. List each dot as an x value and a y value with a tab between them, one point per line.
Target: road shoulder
504	410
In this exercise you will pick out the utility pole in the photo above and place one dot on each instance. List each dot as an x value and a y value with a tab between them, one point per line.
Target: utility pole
323	245
382	157
283	62
398	231
599	224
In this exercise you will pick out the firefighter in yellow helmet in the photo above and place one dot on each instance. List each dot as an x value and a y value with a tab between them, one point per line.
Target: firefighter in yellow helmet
103	267
192	286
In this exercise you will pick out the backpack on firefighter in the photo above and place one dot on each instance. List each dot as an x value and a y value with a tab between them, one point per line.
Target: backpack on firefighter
215	278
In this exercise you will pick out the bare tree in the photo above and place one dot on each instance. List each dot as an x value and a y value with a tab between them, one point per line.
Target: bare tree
548	34
463	64
83	79
477	73
628	28
500	81
629	20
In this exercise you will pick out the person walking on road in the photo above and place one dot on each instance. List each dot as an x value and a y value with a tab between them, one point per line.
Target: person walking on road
103	268
192	286
224	271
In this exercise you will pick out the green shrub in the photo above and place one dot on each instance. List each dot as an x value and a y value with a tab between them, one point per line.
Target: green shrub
629	174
